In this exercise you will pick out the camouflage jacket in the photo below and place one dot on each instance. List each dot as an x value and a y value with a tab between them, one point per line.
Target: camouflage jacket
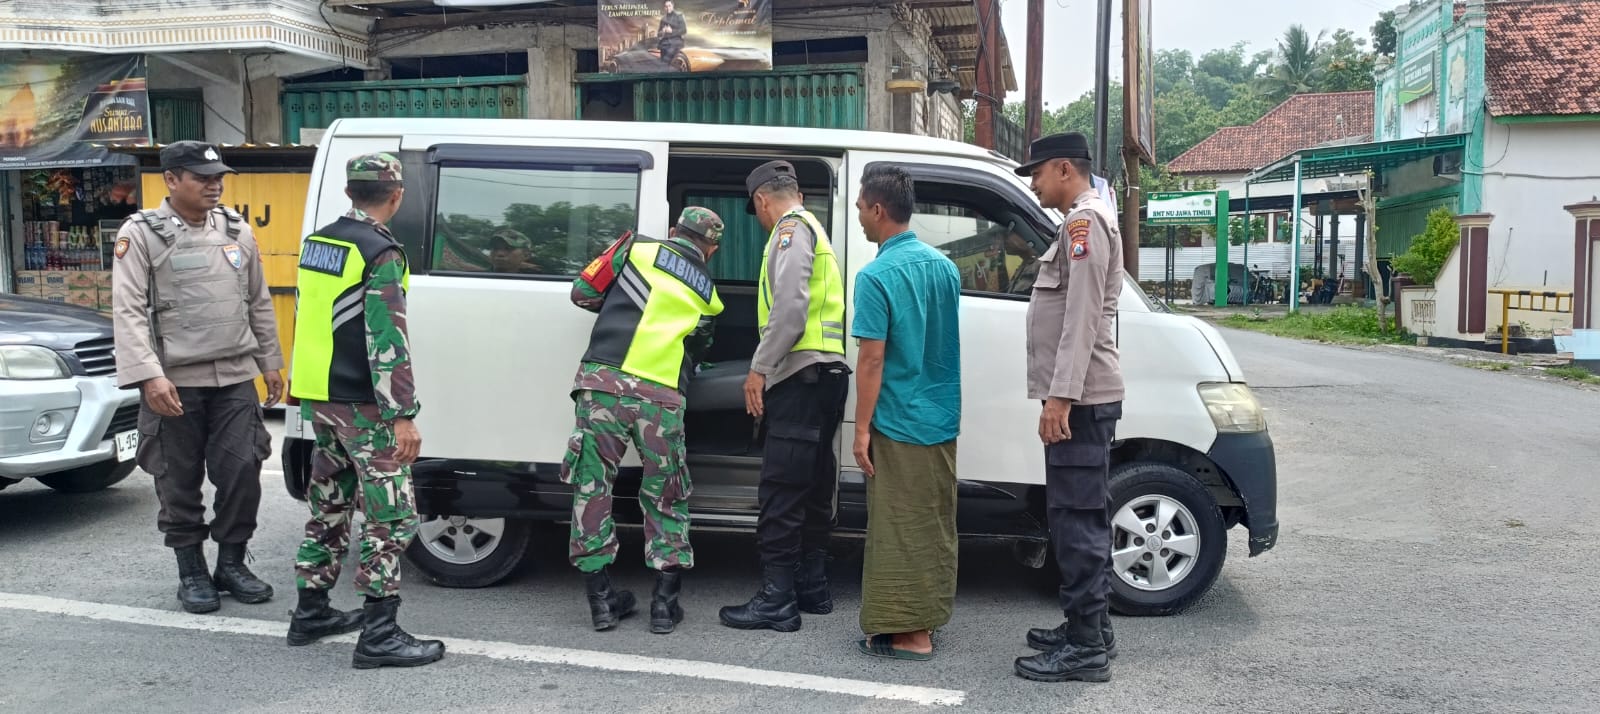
388	347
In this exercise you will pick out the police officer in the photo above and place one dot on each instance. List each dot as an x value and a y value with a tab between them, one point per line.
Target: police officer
1073	371
352	372
797	385
194	327
655	320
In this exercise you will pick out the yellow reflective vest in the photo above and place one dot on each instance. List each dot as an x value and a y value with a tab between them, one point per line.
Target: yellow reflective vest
330	329
661	295
825	314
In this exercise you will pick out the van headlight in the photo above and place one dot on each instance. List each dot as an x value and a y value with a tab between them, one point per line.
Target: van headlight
1233	408
31	362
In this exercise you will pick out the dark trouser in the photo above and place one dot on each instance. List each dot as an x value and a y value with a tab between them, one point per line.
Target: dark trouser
1078	498
798	469
669	47
220	434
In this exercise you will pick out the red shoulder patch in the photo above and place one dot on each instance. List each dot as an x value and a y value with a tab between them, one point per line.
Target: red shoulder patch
1078	228
122	247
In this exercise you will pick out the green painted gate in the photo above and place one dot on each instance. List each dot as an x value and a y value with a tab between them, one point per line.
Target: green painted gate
1404	217
315	106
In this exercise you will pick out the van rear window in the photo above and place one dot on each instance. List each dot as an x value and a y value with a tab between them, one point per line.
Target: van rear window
544	220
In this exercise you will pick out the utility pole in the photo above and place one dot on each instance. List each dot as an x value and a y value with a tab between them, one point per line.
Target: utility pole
1035	69
987	74
1102	83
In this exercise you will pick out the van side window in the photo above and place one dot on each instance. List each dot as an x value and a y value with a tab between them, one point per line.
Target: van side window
994	256
545	220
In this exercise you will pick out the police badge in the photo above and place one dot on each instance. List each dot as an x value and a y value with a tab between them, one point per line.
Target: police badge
235	255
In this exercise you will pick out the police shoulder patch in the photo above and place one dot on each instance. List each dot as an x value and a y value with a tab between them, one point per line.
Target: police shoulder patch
1078	228
122	246
1080	248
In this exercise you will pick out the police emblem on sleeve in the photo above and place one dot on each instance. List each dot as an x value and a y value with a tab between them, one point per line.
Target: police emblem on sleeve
1078	232
122	247
234	254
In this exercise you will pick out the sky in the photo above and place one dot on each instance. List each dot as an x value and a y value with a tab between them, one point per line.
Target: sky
1193	25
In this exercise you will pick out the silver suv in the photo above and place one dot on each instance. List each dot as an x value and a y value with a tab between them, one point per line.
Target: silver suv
62	418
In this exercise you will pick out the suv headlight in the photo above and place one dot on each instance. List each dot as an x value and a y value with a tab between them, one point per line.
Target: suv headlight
31	362
1233	408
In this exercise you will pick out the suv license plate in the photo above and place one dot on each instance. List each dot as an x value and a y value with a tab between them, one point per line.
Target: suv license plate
127	444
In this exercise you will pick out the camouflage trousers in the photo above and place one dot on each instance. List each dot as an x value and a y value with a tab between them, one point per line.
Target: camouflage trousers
605	425
353	465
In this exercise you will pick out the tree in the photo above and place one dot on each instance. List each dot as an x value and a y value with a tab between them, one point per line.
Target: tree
1344	64
1384	35
1297	70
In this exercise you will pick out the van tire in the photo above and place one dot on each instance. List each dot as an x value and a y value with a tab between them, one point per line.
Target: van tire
1142	483
88	479
498	558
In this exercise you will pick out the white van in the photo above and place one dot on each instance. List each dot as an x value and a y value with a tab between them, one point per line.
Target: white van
496	342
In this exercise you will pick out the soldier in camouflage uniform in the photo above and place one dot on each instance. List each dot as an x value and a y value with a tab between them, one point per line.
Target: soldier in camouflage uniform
365	438
616	402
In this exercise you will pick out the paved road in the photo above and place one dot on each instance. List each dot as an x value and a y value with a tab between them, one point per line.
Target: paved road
1438	554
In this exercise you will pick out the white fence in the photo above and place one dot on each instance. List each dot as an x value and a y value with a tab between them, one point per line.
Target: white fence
1271	257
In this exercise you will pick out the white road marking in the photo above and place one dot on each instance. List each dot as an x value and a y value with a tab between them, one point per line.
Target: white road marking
503	651
272	472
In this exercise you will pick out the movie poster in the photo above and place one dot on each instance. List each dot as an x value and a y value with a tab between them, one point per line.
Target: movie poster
55	108
663	36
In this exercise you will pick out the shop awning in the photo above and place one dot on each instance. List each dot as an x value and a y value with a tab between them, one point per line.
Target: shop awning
1324	161
238	156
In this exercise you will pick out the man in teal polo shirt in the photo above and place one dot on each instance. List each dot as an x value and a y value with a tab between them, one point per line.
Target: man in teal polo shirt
908	413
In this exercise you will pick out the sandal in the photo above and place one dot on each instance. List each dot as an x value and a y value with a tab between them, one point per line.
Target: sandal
883	646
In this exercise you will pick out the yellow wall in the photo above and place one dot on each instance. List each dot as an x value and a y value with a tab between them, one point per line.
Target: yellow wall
274	203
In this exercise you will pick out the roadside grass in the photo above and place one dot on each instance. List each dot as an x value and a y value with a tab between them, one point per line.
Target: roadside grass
1346	324
1573	374
1488	366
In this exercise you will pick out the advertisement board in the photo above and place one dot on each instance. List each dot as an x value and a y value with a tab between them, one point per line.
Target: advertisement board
664	36
1181	208
55	108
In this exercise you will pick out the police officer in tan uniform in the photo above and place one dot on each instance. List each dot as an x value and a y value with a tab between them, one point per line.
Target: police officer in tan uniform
194	328
1073	372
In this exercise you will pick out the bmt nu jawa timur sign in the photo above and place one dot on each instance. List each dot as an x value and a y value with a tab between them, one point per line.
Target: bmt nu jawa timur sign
664	36
59	109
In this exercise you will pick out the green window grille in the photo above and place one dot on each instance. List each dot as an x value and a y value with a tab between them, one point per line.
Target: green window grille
315	106
820	97
177	116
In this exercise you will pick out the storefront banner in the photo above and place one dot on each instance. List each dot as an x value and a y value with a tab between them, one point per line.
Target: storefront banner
56	108
659	36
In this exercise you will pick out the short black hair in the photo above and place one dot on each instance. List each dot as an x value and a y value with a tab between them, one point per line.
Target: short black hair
1082	167
372	193
782	186
892	187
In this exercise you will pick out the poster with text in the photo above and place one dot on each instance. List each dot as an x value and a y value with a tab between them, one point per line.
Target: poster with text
55	109
665	36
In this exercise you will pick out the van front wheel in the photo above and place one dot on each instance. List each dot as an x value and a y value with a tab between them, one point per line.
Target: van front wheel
462	552
1168	539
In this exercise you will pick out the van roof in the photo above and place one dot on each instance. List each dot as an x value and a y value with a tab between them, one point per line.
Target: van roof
677	132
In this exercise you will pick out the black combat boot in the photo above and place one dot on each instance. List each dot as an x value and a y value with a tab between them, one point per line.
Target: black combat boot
665	612
196	592
811	584
313	619
233	578
1045	640
1082	657
384	644
773	608
607	606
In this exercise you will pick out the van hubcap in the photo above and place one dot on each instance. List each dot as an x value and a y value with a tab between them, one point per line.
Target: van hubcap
460	540
1154	542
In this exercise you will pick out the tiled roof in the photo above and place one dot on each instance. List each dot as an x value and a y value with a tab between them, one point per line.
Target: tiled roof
1541	57
1301	121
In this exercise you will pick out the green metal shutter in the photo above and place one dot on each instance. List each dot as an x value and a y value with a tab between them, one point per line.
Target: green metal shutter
1406	217
315	106
820	98
177	116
